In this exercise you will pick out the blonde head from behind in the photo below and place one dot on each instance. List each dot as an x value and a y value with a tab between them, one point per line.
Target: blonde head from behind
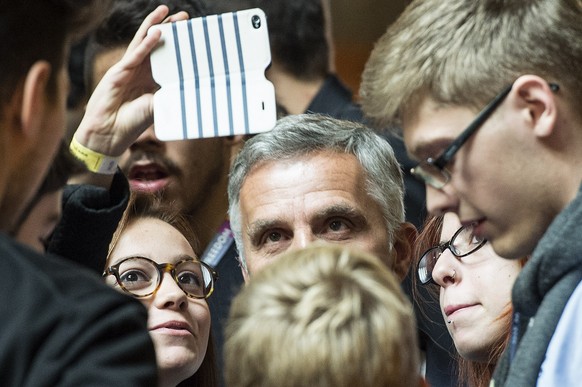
322	316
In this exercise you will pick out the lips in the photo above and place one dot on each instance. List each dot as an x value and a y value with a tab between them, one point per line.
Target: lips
450	309
173	327
150	177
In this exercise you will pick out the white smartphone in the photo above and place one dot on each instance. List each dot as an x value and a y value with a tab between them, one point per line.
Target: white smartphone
211	72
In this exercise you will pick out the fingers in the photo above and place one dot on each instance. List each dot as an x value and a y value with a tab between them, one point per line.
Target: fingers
139	53
115	113
182	15
143	42
155	17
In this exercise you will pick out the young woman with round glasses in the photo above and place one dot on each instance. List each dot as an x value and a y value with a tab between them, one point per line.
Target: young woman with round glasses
152	258
474	286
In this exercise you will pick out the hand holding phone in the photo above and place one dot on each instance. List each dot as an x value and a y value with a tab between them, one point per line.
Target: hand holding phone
211	72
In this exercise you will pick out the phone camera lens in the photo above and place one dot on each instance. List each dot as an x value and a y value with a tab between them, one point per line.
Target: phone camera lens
256	20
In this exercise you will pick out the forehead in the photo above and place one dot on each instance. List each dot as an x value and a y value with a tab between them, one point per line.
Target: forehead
151	238
103	61
304	183
305	189
431	126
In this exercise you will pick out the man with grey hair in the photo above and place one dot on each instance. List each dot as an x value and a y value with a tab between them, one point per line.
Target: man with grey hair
316	178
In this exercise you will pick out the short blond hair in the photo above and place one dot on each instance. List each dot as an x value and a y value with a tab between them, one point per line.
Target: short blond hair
464	52
322	316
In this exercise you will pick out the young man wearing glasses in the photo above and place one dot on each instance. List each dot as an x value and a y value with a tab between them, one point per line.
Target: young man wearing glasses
513	170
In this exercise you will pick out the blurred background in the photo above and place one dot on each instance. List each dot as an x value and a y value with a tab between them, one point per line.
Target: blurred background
356	25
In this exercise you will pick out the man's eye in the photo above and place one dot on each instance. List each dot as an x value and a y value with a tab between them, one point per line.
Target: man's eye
274	237
337	225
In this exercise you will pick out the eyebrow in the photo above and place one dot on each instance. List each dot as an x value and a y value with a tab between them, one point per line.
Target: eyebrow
259	226
181	257
432	148
177	258
341	209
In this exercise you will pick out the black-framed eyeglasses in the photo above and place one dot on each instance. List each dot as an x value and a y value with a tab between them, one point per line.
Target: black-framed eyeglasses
432	171
463	243
142	277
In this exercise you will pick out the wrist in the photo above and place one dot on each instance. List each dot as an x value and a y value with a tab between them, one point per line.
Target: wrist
94	161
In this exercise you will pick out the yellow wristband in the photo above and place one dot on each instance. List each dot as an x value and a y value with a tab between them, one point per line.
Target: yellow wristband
95	162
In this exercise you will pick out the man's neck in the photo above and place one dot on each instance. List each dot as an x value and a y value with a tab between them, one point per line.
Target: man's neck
293	94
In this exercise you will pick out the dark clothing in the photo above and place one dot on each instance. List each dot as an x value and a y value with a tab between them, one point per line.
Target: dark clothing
539	296
434	338
61	326
335	99
90	216
229	282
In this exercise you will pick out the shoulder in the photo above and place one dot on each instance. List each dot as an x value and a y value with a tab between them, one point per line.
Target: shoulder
55	312
50	281
561	366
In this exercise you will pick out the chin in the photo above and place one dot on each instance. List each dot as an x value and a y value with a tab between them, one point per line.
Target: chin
512	248
175	363
177	358
476	354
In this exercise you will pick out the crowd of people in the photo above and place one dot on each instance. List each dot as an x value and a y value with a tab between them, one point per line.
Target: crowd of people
302	255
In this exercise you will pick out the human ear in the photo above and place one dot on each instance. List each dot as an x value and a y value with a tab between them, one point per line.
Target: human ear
34	98
243	270
536	98
22	116
402	250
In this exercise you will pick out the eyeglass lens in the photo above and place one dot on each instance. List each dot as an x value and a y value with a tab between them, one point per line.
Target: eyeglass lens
141	277
463	243
430	175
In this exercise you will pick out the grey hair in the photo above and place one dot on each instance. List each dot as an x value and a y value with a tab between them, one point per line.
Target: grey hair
303	134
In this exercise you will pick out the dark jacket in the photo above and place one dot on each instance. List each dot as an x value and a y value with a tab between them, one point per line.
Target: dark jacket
229	282
90	216
61	326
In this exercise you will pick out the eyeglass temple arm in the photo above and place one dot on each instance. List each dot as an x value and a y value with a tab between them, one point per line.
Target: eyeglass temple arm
479	120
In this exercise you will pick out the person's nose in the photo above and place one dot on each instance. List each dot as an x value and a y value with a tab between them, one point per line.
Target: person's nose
446	271
302	238
169	295
147	140
441	201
